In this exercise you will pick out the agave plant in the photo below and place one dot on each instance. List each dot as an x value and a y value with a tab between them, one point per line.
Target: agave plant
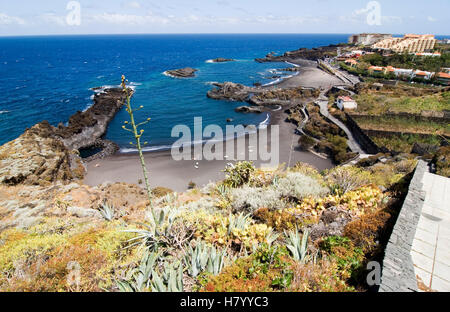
107	211
271	237
169	280
139	279
239	222
298	246
203	258
160	225
216	261
223	190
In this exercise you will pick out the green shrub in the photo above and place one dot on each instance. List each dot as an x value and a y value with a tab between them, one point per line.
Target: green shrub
239	174
297	186
249	199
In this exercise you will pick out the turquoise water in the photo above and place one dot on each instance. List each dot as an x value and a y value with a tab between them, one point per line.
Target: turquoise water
49	78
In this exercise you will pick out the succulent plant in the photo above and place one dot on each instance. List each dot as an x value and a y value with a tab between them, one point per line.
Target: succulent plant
169	280
204	258
298	246
139	279
107	211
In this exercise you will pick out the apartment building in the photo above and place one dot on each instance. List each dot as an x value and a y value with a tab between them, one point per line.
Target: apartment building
410	43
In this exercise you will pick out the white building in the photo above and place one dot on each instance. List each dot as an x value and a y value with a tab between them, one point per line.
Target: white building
346	102
401	72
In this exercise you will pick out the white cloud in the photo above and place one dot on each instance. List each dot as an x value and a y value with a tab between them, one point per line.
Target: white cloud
11	20
150	18
133	5
129	19
431	19
52	18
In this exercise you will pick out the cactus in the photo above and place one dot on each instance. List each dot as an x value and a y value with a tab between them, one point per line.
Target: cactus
298	246
137	136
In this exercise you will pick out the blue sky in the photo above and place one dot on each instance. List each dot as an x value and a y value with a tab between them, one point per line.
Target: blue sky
28	17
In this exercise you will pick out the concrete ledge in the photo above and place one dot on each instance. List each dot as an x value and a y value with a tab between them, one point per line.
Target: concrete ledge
398	269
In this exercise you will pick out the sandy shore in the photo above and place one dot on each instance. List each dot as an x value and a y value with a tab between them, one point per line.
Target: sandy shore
164	171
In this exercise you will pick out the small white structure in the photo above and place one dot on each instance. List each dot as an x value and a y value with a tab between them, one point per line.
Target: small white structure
400	72
346	102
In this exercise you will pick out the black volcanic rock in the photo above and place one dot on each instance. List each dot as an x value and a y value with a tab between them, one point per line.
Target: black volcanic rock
222	60
182	73
250	109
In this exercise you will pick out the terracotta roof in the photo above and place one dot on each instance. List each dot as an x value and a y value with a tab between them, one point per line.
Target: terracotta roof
444	75
376	68
421	73
346	98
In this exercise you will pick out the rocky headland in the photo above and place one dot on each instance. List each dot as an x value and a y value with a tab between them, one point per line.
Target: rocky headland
187	72
44	154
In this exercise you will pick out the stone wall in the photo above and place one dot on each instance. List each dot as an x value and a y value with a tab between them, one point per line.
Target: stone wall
398	269
366	143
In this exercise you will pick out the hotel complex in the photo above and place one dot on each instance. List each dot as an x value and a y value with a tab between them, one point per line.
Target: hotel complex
408	44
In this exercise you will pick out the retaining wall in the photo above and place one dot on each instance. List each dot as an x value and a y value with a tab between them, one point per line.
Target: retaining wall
398	270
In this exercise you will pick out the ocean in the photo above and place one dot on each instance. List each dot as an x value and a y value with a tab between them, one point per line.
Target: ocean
50	78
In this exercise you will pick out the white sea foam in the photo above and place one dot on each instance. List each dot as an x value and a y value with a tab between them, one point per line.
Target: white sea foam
4	112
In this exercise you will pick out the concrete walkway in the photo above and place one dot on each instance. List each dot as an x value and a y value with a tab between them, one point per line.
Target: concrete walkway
352	143
431	246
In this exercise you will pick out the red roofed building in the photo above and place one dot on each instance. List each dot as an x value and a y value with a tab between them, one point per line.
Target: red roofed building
423	74
444	78
376	69
346	102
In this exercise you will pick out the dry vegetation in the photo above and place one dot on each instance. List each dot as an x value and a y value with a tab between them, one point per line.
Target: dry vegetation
258	230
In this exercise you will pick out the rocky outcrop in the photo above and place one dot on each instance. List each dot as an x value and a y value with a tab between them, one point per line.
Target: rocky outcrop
24	206
45	154
222	60
231	92
291	69
182	73
85	128
303	53
250	109
38	157
258	96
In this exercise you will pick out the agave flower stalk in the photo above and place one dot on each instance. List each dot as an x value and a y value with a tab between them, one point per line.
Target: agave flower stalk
137	136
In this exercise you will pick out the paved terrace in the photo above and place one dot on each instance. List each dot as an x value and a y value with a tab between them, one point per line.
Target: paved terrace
431	245
417	256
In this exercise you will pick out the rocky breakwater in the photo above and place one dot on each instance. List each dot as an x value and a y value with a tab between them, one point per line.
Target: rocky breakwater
181	73
46	154
261	99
